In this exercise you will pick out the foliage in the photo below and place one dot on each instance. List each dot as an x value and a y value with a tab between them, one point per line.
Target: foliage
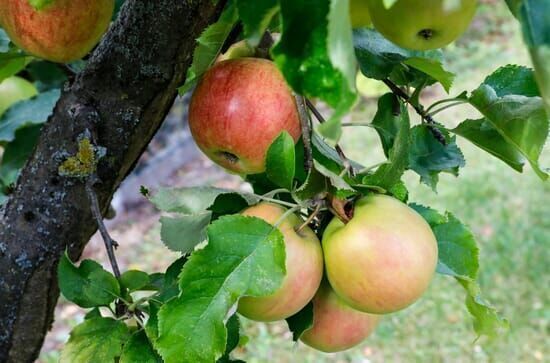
186	313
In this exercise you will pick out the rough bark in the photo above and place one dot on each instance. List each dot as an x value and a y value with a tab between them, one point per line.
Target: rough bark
120	99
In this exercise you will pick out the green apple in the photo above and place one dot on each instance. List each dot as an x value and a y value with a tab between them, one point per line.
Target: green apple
238	109
336	326
60	30
383	259
304	268
422	24
13	90
359	13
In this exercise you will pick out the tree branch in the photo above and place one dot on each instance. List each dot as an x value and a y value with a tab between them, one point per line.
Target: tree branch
419	110
121	97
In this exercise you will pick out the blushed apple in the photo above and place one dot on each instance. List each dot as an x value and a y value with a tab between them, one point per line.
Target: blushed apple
238	109
304	268
422	24
383	259
336	326
57	30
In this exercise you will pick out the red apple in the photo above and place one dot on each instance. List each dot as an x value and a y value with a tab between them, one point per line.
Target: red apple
304	268
61	30
238	109
383	259
336	326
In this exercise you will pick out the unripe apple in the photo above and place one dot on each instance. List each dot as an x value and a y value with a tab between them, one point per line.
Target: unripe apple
238	109
422	24
383	259
60	30
304	268
336	326
359	13
13	90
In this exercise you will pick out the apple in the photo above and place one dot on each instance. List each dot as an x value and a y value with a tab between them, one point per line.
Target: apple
60	30
13	90
422	24
238	109
383	259
359	13
304	268
336	326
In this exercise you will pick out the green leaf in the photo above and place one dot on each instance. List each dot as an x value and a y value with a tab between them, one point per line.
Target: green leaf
256	16
513	80
301	321
184	232
30	112
520	120
17	152
280	161
12	60
315	184
459	257
88	285
434	69
341	187
97	340
192	200
534	17
484	135
327	155
388	175
244	256
134	280
209	46
428	157
379	59
315	52
139	349
233	327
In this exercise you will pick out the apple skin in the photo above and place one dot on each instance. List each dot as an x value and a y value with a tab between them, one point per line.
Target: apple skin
63	31
384	259
238	109
421	24
304	268
359	14
13	90
336	326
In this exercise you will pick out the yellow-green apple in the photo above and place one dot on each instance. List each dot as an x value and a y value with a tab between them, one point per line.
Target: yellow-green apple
422	24
359	13
304	268
13	90
336	326
56	30
383	259
238	109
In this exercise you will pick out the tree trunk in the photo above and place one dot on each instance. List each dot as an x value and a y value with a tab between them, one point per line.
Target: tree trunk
120	99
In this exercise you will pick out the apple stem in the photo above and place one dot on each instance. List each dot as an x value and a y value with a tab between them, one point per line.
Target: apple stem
311	217
419	110
341	154
286	214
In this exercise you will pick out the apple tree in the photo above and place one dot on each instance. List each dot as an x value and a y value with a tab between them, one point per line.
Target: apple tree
321	241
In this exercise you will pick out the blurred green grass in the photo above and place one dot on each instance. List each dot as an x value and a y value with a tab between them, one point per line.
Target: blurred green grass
508	212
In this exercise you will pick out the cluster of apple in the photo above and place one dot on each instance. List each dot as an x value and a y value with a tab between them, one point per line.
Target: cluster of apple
379	262
415	24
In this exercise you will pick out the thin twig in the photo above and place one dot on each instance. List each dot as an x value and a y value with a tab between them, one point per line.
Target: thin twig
305	123
341	154
311	217
110	244
419	110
